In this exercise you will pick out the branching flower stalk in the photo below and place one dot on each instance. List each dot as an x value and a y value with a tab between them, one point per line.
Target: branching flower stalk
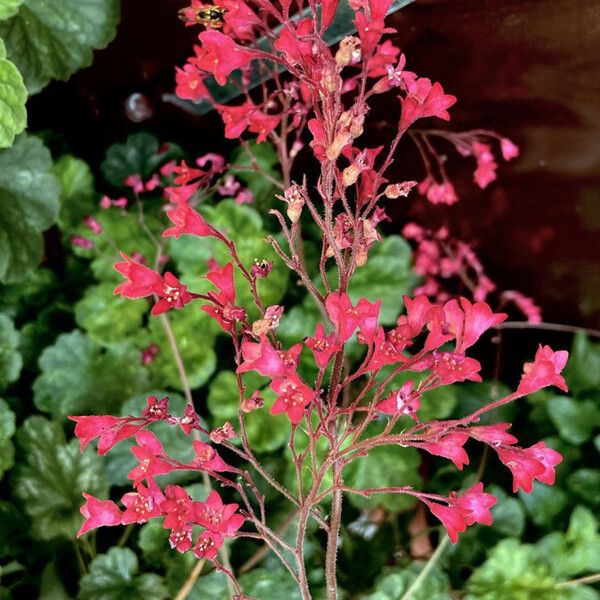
349	406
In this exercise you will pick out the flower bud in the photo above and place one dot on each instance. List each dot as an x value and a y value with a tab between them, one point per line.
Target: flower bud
349	52
350	175
295	200
395	190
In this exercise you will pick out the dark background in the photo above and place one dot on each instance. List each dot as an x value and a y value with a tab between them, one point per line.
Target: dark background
528	69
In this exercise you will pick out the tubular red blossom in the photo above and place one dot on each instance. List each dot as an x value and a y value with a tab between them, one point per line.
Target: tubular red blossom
208	545
449	446
486	165
523	466
322	346
240	19
236	118
110	430
508	149
178	507
98	513
218	517
544	371
148	452
207	458
293	396
548	457
347	318
452	519
425	100
405	401
293	49
262	124
494	435
220	55
475	505
142	505
186	221
264	359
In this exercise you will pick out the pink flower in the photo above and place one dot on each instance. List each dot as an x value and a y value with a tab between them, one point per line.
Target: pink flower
475	505
478	318
185	174
187	221
262	124
110	430
220	434
190	420
405	401
149	453
293	48
208	545
207	458
452	519
142	505
293	396
524	466
452	367
93	225
181	539
385	54
486	165
218	517
548	457
449	446
264	359
220	55
347	317
544	371
223	310
178	507
508	149
98	513
426	100
240	19
323	347
319	141
81	242
493	435
328	8
236	118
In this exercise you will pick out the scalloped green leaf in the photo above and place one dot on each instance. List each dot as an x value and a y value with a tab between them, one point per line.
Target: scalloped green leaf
52	40
77	190
51	475
8	8
11	361
29	204
385	466
115	576
395	583
78	377
109	319
575	420
7	430
13	96
140	154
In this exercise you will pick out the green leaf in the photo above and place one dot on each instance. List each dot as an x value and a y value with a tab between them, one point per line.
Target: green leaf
585	483
29	204
52	587
10	359
177	445
52	40
513	571
109	319
574	420
384	466
114	576
77	190
266	432
138	155
583	368
8	8
508	513
194	331
80	377
244	226
395	583
269	585
544	503
7	430
13	95
51	476
473	396
387	275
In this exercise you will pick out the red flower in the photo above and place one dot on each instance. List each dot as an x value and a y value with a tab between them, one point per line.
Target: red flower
240	19
450	446
207	458
425	100
149	453
110	430
264	359
181	539
323	347
494	435
187	221
142	505
178	508
98	513
190	83
262	124
141	280
508	149
452	367
452	518
185	174
548	457
385	54
156	410
319	141
218	517
294	49
524	466
347	318
475	505
208	545
190	420
405	401
173	295
544	371
224	310
328	8
236	118
293	396
486	165
220	55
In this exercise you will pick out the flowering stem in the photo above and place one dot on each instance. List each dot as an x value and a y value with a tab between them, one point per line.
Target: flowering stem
549	327
426	569
579	581
332	538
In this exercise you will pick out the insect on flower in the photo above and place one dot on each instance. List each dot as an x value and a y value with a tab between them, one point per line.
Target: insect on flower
211	16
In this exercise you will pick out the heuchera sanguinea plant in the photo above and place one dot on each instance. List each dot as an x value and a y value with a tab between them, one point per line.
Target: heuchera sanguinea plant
326	91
